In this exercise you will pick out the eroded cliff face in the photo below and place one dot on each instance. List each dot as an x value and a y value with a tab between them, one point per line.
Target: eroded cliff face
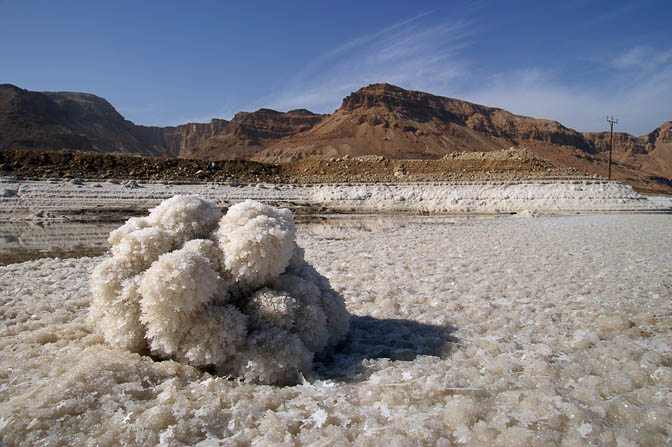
186	140
651	153
383	119
378	119
240	138
440	112
59	120
628	143
80	121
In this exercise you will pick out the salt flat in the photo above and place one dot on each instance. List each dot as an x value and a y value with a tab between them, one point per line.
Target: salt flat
501	331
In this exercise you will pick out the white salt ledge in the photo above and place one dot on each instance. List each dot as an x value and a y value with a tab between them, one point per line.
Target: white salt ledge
447	197
486	197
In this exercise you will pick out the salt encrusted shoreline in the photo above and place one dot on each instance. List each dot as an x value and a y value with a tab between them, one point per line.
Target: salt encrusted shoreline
545	331
497	331
27	199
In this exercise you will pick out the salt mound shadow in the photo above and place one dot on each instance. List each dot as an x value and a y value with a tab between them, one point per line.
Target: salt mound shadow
370	338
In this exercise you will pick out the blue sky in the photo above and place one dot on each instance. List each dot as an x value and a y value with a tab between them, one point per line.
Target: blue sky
167	63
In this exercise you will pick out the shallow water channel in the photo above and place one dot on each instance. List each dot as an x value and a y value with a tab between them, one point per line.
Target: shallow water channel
22	241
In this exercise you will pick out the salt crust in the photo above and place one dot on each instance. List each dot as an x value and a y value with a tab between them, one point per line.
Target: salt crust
486	197
442	197
257	242
232	302
563	329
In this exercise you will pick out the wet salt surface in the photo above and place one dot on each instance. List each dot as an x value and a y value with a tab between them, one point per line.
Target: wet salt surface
546	331
25	240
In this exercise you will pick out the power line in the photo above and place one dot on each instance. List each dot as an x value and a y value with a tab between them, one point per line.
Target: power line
611	121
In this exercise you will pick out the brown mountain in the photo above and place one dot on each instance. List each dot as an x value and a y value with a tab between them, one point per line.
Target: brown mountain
386	120
650	153
241	138
57	120
81	121
379	119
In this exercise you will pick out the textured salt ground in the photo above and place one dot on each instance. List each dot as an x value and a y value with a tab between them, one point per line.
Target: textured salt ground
546	331
26	240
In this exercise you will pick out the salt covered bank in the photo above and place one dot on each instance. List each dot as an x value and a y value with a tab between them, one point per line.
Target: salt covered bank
464	332
25	198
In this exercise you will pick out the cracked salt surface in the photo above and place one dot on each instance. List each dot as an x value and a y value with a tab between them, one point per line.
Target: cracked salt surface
544	331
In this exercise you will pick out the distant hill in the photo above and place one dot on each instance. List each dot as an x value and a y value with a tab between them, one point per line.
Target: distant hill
387	120
651	153
379	119
81	121
57	120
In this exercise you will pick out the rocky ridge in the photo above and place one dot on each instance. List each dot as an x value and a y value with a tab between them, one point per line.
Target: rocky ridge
80	121
57	120
241	138
387	120
512	164
379	119
648	153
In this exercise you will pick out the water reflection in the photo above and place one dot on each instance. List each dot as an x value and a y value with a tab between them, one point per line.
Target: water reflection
27	240
316	223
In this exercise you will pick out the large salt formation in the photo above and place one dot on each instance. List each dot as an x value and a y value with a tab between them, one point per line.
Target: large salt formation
230	293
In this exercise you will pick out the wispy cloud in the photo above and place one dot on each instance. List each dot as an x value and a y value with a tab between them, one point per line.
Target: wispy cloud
421	54
636	90
410	53
612	13
642	58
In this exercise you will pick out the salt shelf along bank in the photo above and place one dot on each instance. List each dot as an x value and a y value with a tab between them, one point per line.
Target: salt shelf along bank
25	199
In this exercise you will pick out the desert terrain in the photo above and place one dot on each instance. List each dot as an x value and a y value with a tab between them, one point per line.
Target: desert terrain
379	120
497	292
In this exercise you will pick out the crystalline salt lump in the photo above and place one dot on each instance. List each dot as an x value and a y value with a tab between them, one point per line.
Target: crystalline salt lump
230	293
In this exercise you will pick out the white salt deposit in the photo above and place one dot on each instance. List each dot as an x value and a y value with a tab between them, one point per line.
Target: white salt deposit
544	331
485	197
18	236
661	201
170	292
257	242
450	197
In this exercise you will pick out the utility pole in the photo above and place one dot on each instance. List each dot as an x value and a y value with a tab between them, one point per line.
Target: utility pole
611	121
